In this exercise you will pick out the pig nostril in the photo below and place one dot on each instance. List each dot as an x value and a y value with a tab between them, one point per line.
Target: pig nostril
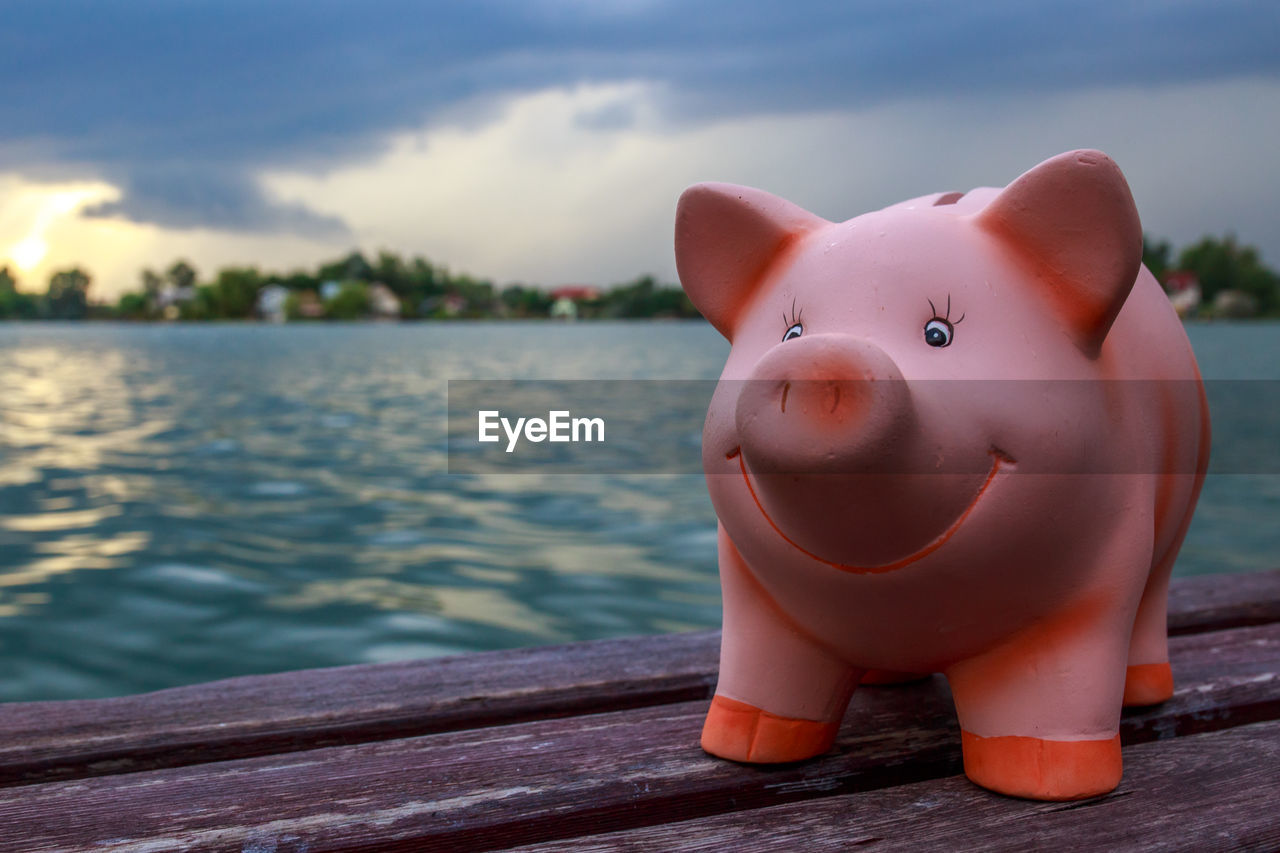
836	402
785	389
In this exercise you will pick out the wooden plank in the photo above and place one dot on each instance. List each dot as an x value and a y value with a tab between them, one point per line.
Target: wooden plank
263	715
563	778
1215	791
1217	602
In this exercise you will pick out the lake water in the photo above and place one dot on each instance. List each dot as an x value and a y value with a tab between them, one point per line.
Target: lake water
185	503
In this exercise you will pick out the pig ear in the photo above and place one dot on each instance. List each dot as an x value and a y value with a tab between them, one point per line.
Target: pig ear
1074	219
727	238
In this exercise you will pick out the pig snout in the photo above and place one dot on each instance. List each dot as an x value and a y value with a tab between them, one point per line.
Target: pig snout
838	453
822	404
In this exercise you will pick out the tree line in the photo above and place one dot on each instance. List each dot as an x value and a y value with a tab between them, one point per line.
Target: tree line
1220	266
340	289
346	288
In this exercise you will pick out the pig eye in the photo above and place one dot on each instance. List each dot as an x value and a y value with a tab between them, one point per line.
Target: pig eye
794	332
938	332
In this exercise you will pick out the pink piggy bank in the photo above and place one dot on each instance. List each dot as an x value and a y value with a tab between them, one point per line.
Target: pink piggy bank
964	434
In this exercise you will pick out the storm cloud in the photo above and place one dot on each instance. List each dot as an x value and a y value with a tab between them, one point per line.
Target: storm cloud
182	105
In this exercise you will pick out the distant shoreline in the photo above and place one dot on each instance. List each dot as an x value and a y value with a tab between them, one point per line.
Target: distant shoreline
357	321
417	321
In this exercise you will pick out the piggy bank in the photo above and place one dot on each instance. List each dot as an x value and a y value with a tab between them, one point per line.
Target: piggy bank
963	435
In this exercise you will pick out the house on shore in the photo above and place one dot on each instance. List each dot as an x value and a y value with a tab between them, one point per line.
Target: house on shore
566	298
272	303
383	303
1183	287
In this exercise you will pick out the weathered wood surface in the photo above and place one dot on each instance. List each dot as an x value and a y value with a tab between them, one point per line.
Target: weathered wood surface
261	715
1194	793
1211	602
557	779
265	715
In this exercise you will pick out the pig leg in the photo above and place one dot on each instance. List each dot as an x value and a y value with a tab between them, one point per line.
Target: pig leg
1040	713
780	696
1148	678
1039	716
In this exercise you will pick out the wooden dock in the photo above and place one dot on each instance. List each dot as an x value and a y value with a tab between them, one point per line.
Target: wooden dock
594	746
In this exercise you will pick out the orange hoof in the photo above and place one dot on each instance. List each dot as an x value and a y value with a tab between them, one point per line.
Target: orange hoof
1147	684
1043	769
888	676
742	732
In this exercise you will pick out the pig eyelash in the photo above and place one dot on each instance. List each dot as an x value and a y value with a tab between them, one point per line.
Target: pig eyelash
794	328
787	323
947	316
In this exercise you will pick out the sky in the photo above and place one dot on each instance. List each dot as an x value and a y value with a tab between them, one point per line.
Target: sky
546	141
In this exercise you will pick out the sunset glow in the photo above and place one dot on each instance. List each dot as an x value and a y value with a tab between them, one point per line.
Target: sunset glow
29	253
34	211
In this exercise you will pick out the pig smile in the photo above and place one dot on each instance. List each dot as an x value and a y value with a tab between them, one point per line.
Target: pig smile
999	461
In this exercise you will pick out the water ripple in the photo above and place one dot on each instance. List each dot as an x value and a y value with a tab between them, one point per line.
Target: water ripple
179	504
